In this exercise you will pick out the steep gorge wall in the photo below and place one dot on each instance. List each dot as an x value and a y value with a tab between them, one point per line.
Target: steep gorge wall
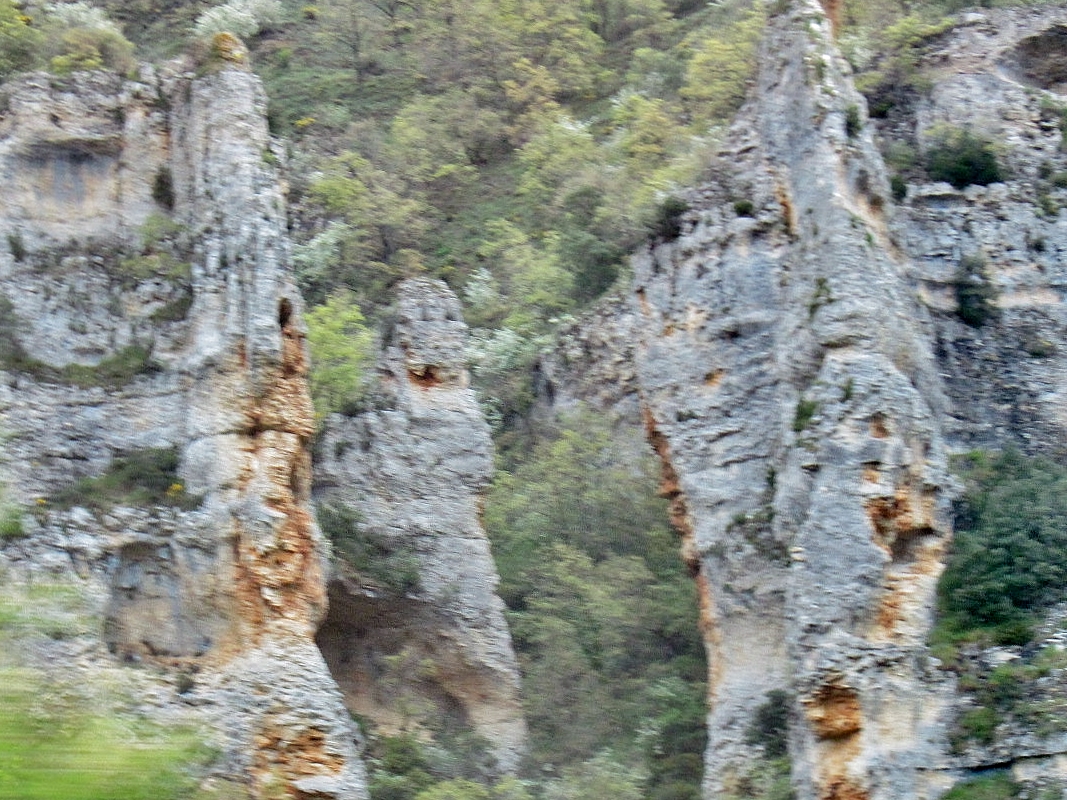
804	373
116	343
791	390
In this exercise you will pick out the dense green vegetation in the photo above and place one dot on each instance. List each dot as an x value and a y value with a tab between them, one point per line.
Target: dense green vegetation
1009	557
517	150
62	37
75	736
1005	571
142	478
602	612
341	350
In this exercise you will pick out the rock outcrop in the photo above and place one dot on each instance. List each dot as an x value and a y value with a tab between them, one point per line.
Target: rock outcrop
804	370
425	639
152	333
793	397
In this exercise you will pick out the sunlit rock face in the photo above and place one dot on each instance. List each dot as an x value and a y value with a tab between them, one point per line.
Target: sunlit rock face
152	325
427	640
803	368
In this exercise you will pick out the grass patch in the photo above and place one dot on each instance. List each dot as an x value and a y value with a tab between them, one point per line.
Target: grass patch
804	414
137	478
11	526
992	787
69	737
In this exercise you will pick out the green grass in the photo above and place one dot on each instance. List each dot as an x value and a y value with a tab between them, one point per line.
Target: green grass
138	478
993	787
53	746
804	414
66	735
113	372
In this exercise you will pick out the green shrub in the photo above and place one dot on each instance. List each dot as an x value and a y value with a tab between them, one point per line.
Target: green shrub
1009	556
979	724
667	225
378	560
93	48
163	188
239	17
744	208
895	78
341	349
176	310
962	158
804	413
975	293
138	478
770	724
821	296
853	121
20	41
898	187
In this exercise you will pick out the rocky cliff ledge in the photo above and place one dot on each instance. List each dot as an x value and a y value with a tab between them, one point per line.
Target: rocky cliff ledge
154	394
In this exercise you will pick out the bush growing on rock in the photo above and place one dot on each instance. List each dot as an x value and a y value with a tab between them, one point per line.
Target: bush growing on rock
19	41
340	345
975	293
962	158
1009	557
240	17
79	36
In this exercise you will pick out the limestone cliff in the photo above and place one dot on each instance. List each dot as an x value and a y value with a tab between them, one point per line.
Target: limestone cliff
790	390
432	646
151	330
803	372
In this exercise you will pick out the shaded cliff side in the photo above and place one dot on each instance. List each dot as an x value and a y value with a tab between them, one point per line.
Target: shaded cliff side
155	398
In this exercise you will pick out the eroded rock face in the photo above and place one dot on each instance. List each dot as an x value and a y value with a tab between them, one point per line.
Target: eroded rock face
413	467
804	371
792	393
149	310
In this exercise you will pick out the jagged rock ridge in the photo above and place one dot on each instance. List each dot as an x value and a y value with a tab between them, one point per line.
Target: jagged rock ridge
804	372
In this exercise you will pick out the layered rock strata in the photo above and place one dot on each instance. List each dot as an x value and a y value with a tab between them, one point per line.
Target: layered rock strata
790	388
804	367
413	467
150	316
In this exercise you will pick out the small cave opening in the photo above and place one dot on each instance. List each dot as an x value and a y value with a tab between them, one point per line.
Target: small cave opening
285	313
1041	60
394	668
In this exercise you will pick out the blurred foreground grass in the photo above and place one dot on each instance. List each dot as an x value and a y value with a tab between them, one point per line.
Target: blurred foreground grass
72	733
